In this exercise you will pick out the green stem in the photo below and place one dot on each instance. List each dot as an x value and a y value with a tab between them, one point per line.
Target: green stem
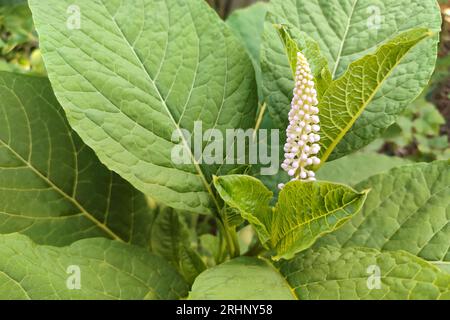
229	234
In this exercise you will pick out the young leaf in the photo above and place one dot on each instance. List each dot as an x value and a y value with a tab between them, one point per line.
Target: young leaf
296	41
251	199
52	187
88	269
241	279
347	30
304	212
346	98
357	273
135	74
280	42
407	209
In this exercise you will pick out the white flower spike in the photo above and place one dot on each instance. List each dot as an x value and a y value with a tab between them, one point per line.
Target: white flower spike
301	147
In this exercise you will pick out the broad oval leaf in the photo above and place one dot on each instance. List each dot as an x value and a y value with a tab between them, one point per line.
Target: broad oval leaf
326	273
363	274
241	279
138	72
347	30
407	209
247	24
106	270
52	187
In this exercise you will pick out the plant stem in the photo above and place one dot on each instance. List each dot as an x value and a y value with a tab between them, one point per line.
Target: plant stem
229	234
259	120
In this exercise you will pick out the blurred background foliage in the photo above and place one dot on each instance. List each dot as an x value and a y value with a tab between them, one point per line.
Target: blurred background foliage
19	50
421	133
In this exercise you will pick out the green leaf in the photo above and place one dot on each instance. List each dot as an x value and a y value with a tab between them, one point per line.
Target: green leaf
170	238
107	269
136	73
347	97
241	279
251	198
190	264
429	120
326	273
15	18
210	247
346	274
52	187
347	30
248	25
304	212
407	209
355	168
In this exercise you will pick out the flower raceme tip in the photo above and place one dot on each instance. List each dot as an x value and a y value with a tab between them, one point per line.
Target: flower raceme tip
302	135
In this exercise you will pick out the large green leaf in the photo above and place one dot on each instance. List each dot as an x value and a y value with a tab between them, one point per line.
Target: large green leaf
304	212
136	73
346	30
353	273
407	209
248	24
52	187
107	270
241	279
326	273
355	168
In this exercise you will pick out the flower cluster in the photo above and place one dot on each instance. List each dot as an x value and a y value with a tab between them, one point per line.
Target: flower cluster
301	145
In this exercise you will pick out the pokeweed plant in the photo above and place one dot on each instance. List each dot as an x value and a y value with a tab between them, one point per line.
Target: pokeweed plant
93	205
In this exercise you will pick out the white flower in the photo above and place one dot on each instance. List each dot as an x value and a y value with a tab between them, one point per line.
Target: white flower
301	147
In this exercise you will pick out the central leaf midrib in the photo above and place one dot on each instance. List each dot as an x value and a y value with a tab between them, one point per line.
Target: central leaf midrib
341	134
302	224
166	107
